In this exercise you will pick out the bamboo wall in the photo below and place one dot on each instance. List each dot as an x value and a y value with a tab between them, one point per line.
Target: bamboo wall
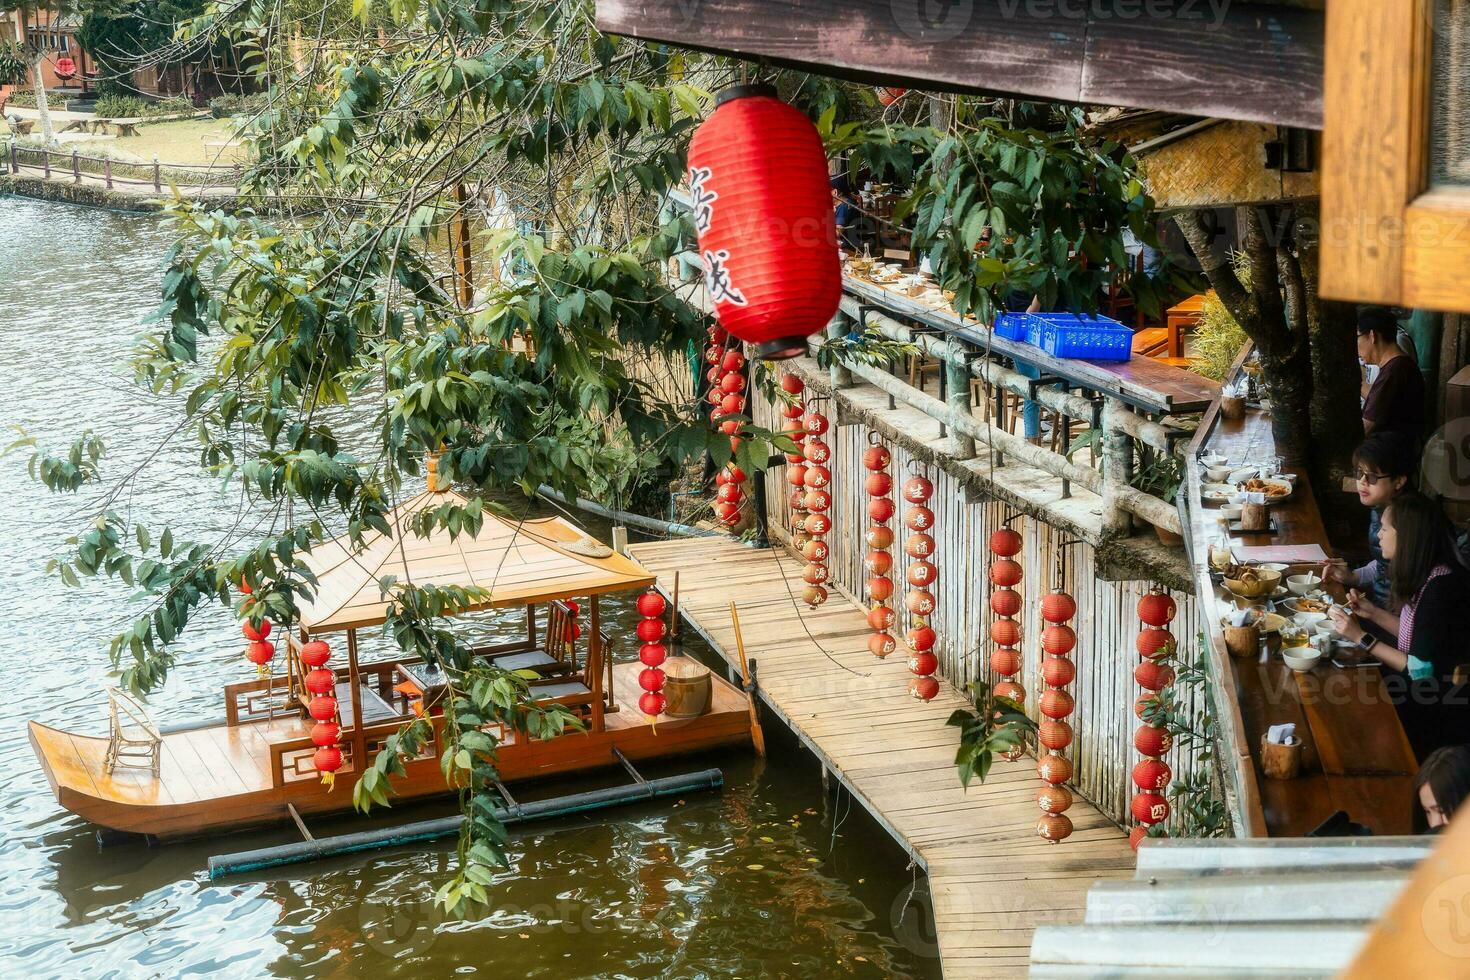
1106	622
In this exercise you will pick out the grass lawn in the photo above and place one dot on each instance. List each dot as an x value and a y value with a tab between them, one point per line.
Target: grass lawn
183	141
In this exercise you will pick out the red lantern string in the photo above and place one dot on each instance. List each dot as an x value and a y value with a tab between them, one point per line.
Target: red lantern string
817	500
321	683
258	648
1151	775
651	629
762	210
878	561
1005	630
1057	672
796	461
922	574
728	395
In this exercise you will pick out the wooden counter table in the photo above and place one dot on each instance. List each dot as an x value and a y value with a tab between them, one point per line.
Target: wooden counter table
1356	756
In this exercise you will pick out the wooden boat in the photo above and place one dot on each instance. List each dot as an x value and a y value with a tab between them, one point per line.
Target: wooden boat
246	770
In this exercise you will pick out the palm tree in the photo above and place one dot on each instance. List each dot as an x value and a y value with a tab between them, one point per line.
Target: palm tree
27	9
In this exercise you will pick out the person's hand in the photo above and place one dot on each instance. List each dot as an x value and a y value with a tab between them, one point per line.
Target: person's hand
1346	624
1337	571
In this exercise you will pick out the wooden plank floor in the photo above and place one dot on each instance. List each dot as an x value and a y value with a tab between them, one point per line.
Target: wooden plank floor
992	879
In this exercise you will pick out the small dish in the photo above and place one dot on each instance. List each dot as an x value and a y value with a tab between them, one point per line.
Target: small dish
1309	620
1274	566
1217	474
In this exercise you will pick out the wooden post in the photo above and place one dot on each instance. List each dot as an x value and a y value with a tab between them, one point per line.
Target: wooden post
957	380
1117	471
158	187
531	625
14	163
359	740
107	171
757	737
46	163
462	254
76	169
841	376
594	678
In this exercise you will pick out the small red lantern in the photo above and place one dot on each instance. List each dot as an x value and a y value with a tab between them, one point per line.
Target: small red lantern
922	573
1011	691
818	500
254	634
917	489
818	524
1156	644
878	562
815	550
814	595
1058	607
652	704
1005	632
1054	799
733	361
918	518
1056	704
260	652
816	451
652	654
796	475
923	662
325	733
1054	827
1137	836
881	644
1153	676
729	493
1058	671
792	384
1005	542
1150	808
315	653
881	619
1156	608
1151	774
817	476
922	638
327	760
880	510
1005	602
1151	741
322	708
321	681
651	679
877	458
919	545
920	602
879	588
878	485
651	630
1005	573
924	688
815	424
1054	769
879	537
1058	640
1054	734
1005	661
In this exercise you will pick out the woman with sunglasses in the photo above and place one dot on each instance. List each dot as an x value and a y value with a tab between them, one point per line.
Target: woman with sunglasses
1384	466
1427	635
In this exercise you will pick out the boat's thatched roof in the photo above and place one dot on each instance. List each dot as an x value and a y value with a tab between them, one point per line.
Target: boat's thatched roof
531	561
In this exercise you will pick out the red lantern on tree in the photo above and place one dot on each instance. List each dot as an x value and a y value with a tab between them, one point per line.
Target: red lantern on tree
922	574
762	210
1151	775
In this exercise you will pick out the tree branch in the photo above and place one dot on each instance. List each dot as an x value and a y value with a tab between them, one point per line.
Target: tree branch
1216	268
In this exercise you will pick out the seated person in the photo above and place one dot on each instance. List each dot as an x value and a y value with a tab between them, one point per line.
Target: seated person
1432	593
1395	401
1384	466
1441	786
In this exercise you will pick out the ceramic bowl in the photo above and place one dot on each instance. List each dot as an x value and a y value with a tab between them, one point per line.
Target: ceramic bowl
1232	512
1309	620
1274	566
1301	659
1301	585
1217	474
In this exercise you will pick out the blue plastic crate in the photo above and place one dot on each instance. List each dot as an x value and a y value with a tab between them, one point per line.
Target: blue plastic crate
1011	326
1068	335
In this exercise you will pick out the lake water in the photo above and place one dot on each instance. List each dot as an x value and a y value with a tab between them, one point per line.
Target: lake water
773	876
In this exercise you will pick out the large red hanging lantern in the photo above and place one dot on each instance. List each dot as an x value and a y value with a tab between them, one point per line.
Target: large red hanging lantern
881	617
762	210
321	682
922	574
816	502
1151	775
651	630
1057	671
1005	628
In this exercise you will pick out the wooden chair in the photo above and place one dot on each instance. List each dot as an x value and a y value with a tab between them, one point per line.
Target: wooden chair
132	739
557	651
579	690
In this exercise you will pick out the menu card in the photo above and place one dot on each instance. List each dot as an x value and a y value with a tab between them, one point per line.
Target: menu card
1287	554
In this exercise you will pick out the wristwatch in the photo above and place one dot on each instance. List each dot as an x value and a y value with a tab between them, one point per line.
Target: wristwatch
1368	642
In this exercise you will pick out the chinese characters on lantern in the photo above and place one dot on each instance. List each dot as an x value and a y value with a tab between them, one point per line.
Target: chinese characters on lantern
1057	671
922	574
1151	775
818	501
878	562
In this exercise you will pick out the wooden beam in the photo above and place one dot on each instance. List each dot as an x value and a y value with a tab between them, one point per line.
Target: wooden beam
1229	60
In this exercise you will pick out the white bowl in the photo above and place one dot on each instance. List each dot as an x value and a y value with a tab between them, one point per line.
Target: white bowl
1217	474
1213	459
1301	659
1274	566
1302	584
1309	620
1325	628
1232	512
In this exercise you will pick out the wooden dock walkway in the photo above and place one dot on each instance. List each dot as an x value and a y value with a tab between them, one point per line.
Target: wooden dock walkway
991	878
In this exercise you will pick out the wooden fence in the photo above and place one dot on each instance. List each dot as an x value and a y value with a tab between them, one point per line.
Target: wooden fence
57	164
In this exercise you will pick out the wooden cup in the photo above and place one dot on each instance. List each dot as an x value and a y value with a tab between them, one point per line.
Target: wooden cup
1232	407
1255	517
1281	761
1243	641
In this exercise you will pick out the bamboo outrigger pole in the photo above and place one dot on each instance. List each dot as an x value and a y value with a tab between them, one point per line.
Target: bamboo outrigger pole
757	737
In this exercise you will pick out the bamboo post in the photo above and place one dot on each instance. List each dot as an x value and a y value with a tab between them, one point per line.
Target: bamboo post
836	330
107	171
1117	471
757	737
76	168
157	175
957	381
46	163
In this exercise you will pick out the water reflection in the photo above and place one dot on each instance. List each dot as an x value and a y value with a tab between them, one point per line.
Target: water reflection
750	881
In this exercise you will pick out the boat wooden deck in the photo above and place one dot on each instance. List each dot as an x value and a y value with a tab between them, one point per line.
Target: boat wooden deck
992	879
220	778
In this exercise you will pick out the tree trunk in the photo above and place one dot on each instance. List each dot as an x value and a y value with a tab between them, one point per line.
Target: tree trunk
42	109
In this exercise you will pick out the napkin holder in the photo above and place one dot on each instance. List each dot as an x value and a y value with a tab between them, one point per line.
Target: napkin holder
1280	761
